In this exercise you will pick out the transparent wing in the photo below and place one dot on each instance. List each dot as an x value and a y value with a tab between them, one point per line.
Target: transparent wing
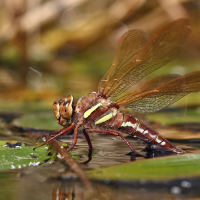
165	44
128	47
157	82
151	99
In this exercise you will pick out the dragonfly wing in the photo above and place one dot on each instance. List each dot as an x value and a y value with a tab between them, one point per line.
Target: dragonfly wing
165	44
158	98
128	47
157	82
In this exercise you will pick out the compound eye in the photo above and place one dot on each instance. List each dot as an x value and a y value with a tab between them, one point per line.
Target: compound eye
63	109
66	107
56	109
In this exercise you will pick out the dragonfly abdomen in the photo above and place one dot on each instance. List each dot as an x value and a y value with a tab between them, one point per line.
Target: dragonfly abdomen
133	126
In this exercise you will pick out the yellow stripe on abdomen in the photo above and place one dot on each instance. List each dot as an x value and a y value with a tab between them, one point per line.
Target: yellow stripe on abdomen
104	118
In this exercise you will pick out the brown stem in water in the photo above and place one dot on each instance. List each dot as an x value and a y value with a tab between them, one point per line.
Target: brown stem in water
70	162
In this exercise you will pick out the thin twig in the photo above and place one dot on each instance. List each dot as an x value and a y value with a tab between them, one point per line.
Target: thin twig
71	162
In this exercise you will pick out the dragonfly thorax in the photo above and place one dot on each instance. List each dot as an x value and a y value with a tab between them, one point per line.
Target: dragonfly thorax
93	109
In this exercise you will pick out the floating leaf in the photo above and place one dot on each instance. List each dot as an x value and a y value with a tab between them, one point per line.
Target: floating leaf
15	155
176	115
165	168
42	120
178	133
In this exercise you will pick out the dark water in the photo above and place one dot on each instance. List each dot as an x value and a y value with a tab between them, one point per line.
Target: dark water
111	150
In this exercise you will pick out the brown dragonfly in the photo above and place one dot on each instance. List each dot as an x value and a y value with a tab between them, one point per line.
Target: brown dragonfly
135	57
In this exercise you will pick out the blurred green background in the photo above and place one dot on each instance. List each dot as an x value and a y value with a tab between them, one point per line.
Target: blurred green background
52	48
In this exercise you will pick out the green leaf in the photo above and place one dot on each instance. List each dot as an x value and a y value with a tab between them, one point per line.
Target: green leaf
42	120
33	114
165	168
20	157
181	115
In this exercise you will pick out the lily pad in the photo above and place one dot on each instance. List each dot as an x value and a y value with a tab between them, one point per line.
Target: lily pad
29	114
42	120
15	155
176	115
178	133
165	168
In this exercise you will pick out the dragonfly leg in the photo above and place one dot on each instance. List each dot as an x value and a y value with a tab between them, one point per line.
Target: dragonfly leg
50	134
89	157
88	139
115	134
74	140
64	130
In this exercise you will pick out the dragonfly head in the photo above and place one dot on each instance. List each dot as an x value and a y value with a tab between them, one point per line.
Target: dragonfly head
63	109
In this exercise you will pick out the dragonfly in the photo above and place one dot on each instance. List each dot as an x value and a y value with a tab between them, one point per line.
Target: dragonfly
135	57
